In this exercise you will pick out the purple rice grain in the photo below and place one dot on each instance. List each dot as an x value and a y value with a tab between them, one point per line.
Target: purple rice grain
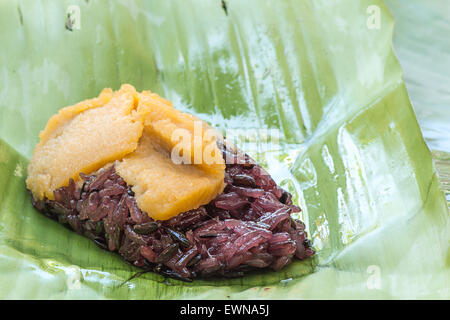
247	227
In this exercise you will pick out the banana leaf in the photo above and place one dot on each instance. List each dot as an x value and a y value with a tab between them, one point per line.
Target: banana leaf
419	41
320	76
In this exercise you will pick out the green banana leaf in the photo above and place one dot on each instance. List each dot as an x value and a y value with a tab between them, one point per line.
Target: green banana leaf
320	76
419	41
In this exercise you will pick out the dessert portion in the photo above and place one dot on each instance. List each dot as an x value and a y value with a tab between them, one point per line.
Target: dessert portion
83	138
170	158
158	191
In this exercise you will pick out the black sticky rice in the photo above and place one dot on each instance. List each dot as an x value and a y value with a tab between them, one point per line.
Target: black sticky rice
247	227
